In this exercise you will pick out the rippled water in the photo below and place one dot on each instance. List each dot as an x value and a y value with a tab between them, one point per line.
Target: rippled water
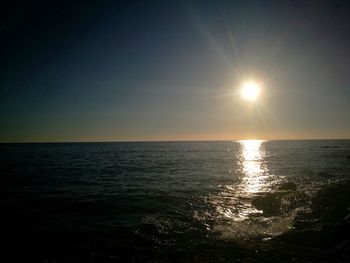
176	201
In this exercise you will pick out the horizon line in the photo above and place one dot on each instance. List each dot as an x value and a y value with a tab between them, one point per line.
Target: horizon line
150	141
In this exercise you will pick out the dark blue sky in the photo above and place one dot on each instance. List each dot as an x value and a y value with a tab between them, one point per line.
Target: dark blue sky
171	70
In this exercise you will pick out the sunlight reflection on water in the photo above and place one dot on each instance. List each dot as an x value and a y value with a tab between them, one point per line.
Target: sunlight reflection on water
236	214
250	204
252	168
235	201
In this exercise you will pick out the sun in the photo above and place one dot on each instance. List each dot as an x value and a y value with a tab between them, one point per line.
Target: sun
250	90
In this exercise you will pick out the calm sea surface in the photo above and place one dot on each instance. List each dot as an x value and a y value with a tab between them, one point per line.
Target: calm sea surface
252	201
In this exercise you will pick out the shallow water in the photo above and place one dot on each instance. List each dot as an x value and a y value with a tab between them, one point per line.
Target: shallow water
176	201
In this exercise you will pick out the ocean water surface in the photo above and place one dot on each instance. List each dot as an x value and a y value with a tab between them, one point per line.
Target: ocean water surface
246	201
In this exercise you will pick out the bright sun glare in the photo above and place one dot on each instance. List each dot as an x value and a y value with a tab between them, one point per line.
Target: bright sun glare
250	90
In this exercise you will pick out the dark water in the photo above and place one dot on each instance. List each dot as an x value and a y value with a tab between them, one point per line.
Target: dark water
246	201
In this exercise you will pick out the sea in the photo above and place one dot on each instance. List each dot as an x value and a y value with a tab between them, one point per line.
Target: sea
217	201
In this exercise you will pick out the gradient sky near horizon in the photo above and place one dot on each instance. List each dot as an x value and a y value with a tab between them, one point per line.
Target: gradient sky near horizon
171	70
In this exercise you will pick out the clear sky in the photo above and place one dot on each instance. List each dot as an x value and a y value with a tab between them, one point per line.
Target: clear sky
172	70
